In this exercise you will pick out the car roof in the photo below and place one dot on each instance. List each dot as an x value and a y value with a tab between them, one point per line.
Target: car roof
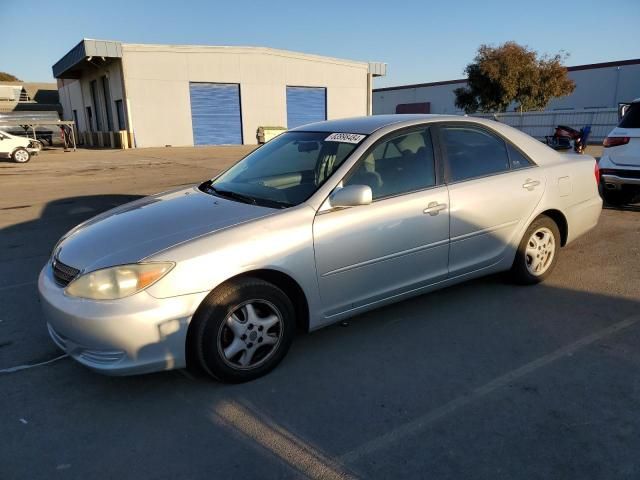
540	152
368	125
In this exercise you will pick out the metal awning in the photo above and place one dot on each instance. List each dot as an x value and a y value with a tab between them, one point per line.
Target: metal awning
32	124
72	64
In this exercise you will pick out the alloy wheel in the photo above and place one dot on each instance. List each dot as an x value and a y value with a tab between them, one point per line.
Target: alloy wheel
250	334
21	156
540	251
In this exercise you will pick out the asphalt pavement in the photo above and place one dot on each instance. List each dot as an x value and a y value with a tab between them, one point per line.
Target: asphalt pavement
483	380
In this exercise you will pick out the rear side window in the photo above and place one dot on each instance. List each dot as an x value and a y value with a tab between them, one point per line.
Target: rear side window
631	119
472	152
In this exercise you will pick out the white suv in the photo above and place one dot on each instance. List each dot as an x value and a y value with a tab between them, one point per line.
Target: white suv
620	162
19	149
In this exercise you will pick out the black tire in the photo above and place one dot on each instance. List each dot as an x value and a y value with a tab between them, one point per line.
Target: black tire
210	328
617	198
20	154
519	271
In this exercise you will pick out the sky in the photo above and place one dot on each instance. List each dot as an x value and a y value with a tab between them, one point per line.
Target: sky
421	41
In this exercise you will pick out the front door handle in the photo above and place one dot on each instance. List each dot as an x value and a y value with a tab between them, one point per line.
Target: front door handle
434	208
530	184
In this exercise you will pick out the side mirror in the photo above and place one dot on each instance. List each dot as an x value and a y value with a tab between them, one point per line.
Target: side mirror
351	196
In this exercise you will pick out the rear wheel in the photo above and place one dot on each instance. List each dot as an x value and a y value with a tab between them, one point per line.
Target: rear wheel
538	252
243	330
21	155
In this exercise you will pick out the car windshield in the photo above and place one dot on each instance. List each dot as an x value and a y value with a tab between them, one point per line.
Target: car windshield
285	171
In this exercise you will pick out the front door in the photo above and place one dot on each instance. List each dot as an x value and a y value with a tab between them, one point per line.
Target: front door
397	243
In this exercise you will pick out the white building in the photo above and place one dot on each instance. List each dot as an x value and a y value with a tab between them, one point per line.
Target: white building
598	86
204	95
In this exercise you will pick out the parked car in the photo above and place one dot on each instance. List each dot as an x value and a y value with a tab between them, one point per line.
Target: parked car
620	161
322	223
19	149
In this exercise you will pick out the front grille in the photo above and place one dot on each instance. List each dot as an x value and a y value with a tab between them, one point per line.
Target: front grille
63	274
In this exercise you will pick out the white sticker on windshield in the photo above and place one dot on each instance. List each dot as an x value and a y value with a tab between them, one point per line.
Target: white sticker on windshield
345	137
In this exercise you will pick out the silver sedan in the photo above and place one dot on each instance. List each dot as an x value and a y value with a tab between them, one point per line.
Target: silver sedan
324	222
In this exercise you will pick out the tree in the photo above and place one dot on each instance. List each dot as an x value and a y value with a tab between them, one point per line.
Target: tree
7	77
510	73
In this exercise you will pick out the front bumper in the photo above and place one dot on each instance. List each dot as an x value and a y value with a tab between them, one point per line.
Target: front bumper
137	334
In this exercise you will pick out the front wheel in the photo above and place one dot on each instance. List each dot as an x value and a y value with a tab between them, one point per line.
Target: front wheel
243	330
21	155
537	253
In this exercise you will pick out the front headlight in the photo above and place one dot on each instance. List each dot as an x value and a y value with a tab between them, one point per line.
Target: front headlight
117	282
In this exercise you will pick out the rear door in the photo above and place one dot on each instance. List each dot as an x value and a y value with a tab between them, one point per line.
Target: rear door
493	189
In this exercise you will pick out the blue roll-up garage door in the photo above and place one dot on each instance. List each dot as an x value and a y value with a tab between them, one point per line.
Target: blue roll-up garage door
215	113
306	105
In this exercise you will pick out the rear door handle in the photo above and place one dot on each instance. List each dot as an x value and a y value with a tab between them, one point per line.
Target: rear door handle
434	208
530	184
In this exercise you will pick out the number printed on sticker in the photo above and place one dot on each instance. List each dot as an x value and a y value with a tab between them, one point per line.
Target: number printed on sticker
345	137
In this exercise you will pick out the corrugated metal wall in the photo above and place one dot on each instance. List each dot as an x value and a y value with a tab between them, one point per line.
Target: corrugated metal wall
215	113
306	105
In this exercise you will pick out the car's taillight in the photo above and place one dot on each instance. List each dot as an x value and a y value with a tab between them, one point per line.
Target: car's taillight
596	171
615	141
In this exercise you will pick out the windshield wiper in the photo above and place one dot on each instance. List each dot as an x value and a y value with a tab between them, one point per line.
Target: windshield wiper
235	195
208	187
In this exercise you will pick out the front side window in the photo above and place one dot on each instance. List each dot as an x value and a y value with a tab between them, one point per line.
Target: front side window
473	152
284	172
399	165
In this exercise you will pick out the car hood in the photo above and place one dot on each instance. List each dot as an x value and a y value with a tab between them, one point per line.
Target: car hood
139	229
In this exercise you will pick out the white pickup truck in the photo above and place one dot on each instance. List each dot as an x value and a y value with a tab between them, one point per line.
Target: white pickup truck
19	149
